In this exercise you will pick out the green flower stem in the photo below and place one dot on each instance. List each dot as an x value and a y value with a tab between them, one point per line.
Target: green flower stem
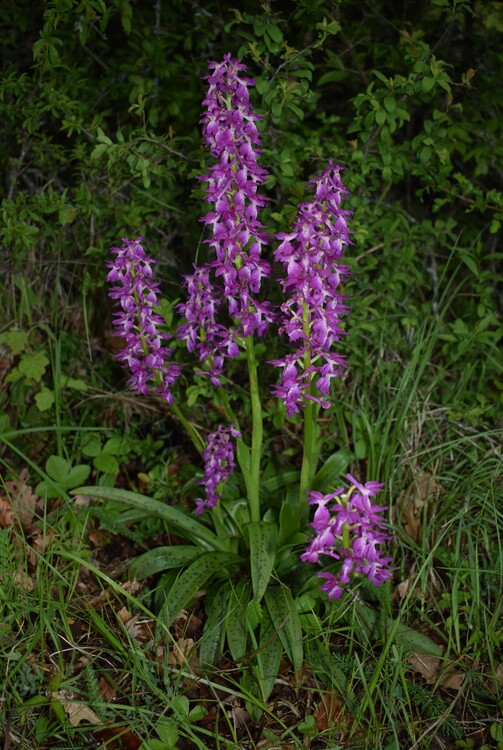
189	428
242	450
306	471
346	543
253	483
229	413
309	456
345	500
194	435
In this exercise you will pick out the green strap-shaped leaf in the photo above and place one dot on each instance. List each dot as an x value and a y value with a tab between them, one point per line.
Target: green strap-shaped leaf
237	631
279	480
210	647
162	558
191	580
387	627
330	474
269	653
288	523
187	526
263	537
281	607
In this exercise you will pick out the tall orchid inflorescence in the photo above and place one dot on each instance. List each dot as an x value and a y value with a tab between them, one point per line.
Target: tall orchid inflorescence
135	293
230	132
350	530
311	256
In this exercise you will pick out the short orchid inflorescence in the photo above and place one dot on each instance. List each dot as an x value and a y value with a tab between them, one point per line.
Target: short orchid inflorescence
311	256
135	293
219	463
350	530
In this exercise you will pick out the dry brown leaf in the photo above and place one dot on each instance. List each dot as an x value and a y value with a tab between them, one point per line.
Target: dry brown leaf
6	513
22	580
40	542
425	665
124	615
180	652
76	712
429	668
141	630
101	599
106	689
452	680
412	525
239	717
132	587
404	587
114	738
81	500
327	712
412	500
23	499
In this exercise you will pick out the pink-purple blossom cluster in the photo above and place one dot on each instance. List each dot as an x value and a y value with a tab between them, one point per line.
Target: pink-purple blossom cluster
202	332
230	132
350	530
311	256
135	293
219	464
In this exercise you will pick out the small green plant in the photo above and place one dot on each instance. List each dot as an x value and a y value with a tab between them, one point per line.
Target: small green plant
61	477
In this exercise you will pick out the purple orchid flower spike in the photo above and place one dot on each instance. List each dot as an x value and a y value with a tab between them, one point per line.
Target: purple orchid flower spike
349	531
311	256
238	269
219	463
135	294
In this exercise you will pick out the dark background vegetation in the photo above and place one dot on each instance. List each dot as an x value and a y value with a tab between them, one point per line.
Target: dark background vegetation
100	120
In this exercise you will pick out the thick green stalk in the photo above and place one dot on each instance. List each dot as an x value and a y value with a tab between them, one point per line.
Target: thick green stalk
307	455
257	433
310	417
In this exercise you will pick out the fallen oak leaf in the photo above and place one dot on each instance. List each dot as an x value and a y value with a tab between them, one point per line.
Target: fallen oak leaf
6	513
328	710
23	499
425	665
76	712
180	653
452	680
107	690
